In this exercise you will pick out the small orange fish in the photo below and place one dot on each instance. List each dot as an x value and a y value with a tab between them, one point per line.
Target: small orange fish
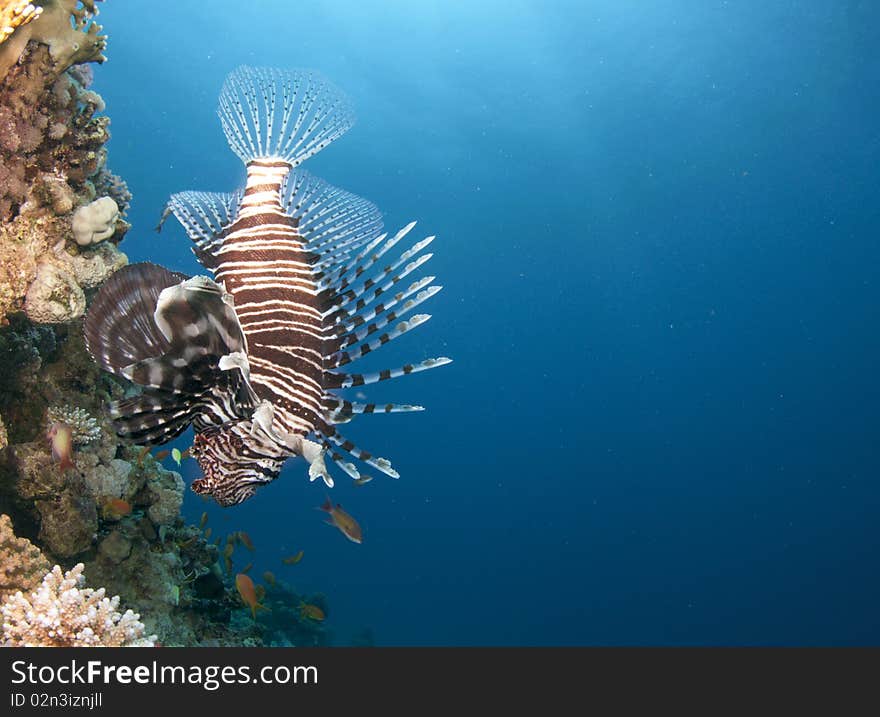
261	592
269	577
342	520
231	539
162	455
228	563
313	612
293	559
186	454
245	540
208	534
116	508
246	569
248	593
227	551
203	520
60	438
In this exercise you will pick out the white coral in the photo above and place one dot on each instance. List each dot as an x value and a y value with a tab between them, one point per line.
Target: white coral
95	222
62	613
83	427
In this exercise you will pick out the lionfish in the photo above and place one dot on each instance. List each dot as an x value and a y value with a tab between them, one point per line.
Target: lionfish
301	288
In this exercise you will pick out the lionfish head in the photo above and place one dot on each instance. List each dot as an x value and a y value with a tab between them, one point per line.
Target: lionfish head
232	470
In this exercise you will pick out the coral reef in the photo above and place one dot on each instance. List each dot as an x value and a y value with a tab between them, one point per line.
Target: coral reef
65	27
22	564
61	612
52	163
14	13
113	509
84	427
95	222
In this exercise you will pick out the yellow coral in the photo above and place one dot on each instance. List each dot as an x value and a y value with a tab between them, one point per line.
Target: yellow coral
14	13
22	565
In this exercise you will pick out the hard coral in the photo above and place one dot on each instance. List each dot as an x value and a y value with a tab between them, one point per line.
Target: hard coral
84	427
63	613
22	565
64	26
95	222
14	13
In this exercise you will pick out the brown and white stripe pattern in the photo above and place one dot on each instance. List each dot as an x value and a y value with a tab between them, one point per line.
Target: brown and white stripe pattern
264	264
304	264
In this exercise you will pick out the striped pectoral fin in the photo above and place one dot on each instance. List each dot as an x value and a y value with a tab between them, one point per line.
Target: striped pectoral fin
357	298
197	317
337	410
352	269
171	373
152	418
333	380
328	435
341	358
120	328
356	328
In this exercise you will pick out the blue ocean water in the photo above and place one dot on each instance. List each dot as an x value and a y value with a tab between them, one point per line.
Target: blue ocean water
657	232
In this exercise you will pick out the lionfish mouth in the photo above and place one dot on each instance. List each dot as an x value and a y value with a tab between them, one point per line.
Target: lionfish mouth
301	287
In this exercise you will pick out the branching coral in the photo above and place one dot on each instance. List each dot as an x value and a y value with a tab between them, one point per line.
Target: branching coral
14	13
84	427
63	613
22	565
65	26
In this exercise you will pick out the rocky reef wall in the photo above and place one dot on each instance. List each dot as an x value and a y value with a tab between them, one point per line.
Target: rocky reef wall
95	516
112	516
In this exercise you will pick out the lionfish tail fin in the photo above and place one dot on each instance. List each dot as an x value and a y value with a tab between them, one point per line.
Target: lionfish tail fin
286	115
119	327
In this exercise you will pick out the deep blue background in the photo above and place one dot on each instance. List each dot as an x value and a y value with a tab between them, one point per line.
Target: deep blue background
658	236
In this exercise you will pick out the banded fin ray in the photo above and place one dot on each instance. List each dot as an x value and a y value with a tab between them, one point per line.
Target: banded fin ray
204	216
186	337
119	328
332	221
348	380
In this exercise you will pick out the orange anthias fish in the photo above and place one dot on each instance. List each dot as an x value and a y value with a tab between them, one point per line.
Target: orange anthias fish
116	508
162	455
245	540
269	577
60	438
313	612
293	559
248	593
342	520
